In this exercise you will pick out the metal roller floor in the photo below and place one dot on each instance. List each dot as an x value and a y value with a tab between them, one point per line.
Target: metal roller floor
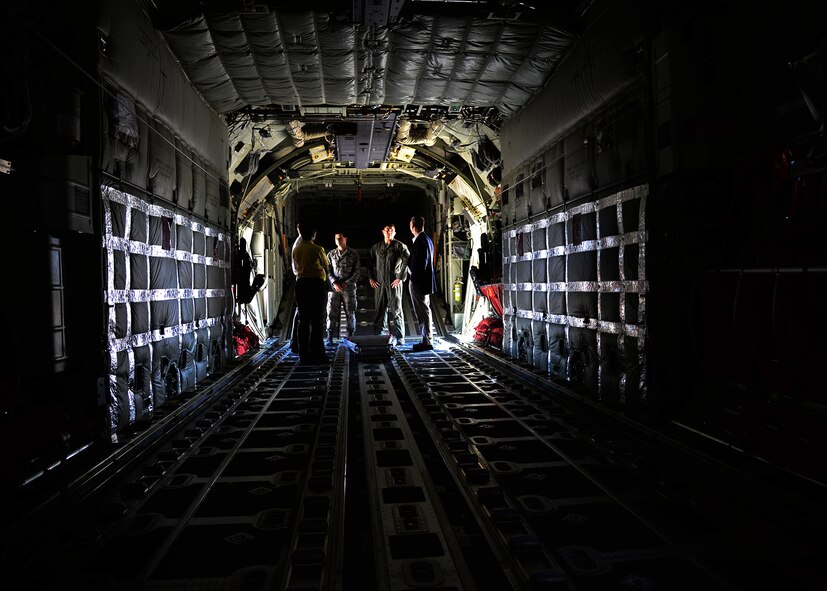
445	469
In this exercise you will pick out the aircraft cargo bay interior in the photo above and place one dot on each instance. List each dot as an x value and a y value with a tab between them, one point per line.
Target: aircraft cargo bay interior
413	294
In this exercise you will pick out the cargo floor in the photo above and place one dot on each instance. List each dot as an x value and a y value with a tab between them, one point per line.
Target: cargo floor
445	469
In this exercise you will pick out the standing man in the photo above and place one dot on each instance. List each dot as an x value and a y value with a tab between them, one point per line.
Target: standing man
388	271
423	281
311	263
294	340
343	273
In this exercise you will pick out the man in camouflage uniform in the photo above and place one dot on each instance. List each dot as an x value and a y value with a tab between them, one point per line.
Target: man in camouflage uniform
342	275
388	271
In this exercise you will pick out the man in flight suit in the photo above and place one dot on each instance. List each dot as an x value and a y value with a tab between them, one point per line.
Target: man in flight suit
388	271
342	275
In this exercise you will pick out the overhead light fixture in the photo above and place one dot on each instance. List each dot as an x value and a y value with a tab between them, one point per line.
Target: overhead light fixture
319	153
405	153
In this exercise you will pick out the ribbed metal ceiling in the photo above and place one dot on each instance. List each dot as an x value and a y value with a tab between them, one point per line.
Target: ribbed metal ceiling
271	58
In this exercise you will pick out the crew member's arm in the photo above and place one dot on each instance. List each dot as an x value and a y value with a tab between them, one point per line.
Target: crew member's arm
372	268
402	265
353	276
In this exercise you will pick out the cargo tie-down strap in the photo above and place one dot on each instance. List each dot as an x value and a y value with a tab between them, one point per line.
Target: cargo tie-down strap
611	240
169	303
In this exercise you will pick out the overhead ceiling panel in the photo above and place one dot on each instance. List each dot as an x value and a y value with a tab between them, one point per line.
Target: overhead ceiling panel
308	58
369	144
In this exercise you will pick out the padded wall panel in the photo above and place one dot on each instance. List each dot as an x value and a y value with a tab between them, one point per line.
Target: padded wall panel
122	408
187	310
602	66
630	386
537	194
557	234
164	357
183	175
140	317
582	266
199	308
198	243
610	264
186	361
538	239
164	314
183	240
161	173
215	307
199	188
508	339
524	341
202	354
578	165
539	301
522	201
138	230
199	276
211	206
121	320
119	269
539	350
555	181
163	273
557	303
610	306
557	350
142	380
583	360
184	274
610	371
136	164
508	202
118	211
139	61
138	271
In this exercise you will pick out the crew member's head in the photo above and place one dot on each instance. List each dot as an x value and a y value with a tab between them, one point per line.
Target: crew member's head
307	230
388	232
417	224
341	240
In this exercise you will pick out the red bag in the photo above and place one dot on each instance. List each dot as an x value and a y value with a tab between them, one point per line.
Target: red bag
489	331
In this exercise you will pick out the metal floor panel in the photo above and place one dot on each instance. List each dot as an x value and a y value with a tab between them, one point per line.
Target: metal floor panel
434	470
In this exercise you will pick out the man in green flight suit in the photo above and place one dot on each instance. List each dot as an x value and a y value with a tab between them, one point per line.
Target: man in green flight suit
388	271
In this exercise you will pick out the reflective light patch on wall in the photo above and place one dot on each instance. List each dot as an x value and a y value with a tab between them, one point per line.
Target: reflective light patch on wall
575	294
169	304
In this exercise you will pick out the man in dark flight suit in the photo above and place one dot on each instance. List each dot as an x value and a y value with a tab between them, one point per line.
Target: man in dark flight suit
423	281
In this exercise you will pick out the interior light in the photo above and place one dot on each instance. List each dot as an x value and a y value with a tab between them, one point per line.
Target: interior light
319	153
405	153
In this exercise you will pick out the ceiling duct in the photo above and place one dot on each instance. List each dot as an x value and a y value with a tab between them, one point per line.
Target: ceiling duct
408	135
302	132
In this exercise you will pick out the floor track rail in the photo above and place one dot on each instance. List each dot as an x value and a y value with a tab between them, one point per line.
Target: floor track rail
554	503
416	550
